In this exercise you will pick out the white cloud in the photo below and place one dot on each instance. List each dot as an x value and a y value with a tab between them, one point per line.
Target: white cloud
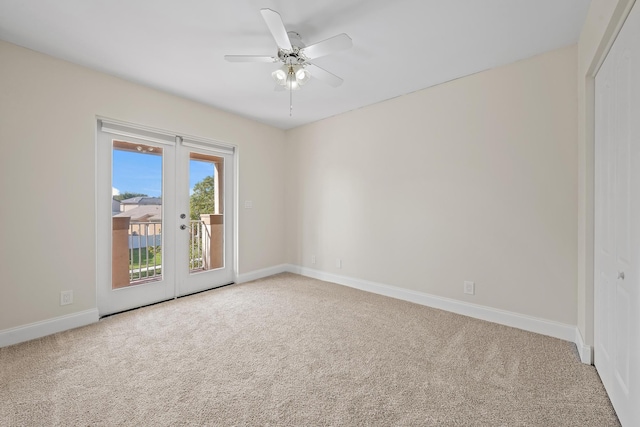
115	191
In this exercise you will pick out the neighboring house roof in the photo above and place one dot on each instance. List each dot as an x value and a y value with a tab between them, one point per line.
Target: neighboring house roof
142	201
151	213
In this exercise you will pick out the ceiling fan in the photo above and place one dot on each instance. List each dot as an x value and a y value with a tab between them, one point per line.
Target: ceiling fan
296	58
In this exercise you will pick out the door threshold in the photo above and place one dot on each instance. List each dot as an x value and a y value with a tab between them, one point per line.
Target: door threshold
166	300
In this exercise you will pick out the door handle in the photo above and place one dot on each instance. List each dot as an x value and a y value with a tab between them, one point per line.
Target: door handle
621	275
183	227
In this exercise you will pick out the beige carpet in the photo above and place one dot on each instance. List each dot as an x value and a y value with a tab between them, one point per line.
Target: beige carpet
289	350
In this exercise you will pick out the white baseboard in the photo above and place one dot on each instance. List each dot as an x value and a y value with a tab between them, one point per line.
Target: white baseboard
528	323
503	317
47	327
259	274
585	351
58	324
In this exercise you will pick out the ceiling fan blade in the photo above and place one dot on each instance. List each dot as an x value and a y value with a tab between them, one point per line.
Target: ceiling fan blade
278	31
249	58
334	44
324	75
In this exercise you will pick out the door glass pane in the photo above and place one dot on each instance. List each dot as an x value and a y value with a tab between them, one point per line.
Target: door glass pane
136	214
206	236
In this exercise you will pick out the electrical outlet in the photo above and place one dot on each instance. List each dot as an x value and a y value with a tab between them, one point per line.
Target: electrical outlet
338	263
66	297
313	259
469	288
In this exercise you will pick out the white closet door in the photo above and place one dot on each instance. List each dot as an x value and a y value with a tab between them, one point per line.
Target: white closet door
617	222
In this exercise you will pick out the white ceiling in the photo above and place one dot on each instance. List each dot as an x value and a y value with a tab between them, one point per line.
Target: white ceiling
399	46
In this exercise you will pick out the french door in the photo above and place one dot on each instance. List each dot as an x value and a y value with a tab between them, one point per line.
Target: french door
165	216
617	223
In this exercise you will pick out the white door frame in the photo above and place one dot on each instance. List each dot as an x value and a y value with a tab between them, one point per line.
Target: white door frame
148	293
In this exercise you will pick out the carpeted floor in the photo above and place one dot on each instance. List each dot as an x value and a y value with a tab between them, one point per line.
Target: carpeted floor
289	350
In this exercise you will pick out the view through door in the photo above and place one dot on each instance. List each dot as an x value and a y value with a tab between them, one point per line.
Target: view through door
137	214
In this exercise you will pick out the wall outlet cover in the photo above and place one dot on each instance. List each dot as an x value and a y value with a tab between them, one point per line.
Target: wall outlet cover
66	297
469	288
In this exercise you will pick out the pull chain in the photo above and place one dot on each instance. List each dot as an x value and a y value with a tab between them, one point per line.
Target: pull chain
290	101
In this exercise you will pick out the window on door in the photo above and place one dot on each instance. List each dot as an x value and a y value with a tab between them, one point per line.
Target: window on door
136	214
206	209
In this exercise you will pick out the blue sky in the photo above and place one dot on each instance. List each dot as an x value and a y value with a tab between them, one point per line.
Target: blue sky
142	173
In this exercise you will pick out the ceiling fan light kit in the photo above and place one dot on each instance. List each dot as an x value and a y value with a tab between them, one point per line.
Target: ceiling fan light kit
291	76
297	68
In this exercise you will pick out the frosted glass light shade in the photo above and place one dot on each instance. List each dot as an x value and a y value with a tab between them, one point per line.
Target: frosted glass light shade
280	76
291	76
302	76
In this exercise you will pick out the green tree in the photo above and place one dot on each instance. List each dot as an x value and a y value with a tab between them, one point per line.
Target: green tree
202	200
128	195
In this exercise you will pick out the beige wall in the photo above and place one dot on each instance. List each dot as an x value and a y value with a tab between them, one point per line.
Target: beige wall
373	186
475	179
48	112
603	21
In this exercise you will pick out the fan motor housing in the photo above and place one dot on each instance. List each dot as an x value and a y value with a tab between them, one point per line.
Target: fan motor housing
294	56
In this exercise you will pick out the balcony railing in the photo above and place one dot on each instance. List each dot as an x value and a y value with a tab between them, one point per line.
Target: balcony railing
197	238
145	249
137	249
